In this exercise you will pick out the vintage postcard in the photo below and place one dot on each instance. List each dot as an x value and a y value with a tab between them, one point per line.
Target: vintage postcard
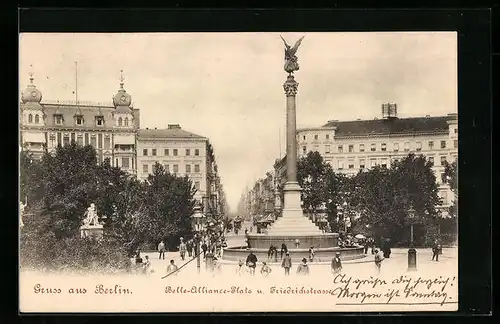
238	172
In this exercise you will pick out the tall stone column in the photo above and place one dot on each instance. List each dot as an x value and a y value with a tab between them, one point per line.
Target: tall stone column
291	190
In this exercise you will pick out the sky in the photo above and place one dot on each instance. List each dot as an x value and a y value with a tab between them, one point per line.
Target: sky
228	86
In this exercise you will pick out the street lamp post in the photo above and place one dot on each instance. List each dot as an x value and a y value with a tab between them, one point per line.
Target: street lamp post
198	219
412	253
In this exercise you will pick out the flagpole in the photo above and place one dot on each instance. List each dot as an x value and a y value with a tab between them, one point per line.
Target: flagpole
76	82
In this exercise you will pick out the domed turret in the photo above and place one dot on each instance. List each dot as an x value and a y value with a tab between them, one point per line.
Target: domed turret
31	94
122	98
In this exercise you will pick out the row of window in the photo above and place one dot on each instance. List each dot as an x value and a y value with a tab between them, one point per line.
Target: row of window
327	136
166	152
37	118
373	162
383	147
97	141
175	168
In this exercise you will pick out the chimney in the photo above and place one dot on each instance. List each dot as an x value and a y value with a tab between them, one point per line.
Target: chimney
174	126
389	110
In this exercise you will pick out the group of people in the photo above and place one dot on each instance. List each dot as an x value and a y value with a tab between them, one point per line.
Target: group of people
250	265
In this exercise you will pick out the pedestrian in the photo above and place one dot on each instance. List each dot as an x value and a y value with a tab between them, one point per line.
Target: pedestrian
379	257
161	250
311	254
287	263
303	268
147	266
366	244
240	270
189	247
336	263
182	249
435	251
138	259
204	248
284	249
172	268
265	270
297	243
251	263
270	252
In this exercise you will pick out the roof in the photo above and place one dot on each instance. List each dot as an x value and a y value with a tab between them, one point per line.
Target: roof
89	113
391	126
168	133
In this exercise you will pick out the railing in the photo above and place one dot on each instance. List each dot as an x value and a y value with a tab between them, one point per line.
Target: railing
79	103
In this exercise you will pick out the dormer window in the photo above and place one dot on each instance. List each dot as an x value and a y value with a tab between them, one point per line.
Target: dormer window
30	118
79	120
99	121
120	122
37	119
58	119
126	122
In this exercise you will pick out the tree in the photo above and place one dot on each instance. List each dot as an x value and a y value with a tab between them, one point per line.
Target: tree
450	177
312	175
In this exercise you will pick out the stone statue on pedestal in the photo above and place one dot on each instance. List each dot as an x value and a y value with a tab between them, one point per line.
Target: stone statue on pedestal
291	60
91	218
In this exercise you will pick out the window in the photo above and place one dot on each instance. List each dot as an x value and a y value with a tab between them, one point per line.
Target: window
188	168
304	137
455	143
431	160
79	140
419	146
197	168
315	137
373	147
431	145
304	149
73	138
407	146
52	140
396	147
340	164
327	136
30	118
153	152
86	139
176	152
166	152
443	144
99	121
120	121
107	142
197	185
361	147
351	165
443	160
116	162
145	168
176	168
361	163
384	163
373	163
37	119
93	141
455	130
351	148
188	152
327	148
197	152
125	163
167	168
132	163
383	147
58	120
145	152
66	140
126	121
443	178
99	140
340	148
79	120
444	197
59	141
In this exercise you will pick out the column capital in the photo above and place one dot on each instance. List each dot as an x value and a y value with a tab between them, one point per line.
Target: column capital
290	86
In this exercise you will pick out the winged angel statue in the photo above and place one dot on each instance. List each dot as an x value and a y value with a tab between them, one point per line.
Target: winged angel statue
291	60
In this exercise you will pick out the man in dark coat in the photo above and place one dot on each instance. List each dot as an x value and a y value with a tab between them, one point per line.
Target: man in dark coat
251	262
284	249
287	263
435	251
336	264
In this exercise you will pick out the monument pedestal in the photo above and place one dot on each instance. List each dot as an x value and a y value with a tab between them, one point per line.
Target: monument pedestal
94	231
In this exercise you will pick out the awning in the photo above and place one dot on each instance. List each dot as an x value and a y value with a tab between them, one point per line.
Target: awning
33	137
124	139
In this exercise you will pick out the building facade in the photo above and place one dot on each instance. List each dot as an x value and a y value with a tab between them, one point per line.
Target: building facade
114	132
351	146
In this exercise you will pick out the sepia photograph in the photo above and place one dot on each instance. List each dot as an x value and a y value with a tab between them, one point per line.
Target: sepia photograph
238	172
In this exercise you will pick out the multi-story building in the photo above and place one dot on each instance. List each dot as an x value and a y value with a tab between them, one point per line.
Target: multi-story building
350	146
114	131
181	153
